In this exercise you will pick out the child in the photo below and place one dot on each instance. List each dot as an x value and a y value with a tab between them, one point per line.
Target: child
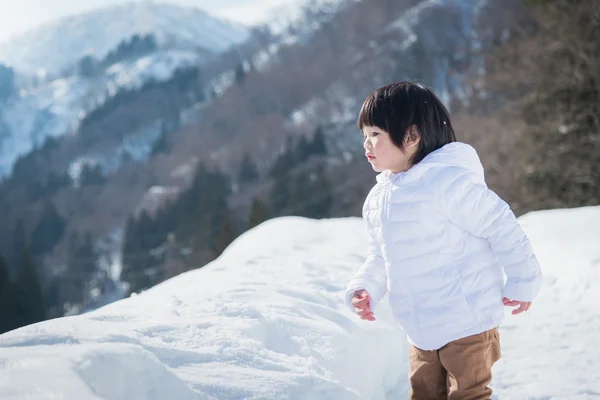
440	243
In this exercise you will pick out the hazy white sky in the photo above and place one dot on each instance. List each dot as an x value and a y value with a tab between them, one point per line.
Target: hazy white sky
17	16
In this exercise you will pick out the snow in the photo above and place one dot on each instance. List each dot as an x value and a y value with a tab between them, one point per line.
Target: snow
156	197
552	353
54	109
137	147
267	321
158	66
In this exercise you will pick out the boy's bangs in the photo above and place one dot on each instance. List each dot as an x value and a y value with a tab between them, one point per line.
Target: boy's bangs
372	114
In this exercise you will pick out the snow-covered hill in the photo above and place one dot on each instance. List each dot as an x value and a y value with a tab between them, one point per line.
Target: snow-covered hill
54	108
59	45
266	321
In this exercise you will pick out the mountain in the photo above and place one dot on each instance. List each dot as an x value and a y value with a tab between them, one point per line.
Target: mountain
267	320
90	57
54	108
255	102
166	175
50	49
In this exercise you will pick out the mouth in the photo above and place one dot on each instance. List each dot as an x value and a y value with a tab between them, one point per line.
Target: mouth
370	157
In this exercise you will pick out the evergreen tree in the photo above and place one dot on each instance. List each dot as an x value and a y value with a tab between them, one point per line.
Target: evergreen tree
149	43
139	265
7	306
200	219
221	229
201	213
19	243
48	231
300	196
321	200
134	46
284	161
280	196
50	144
54	297
87	66
131	245
248	172
126	158
258	213
91	175
162	144
318	144
81	266
226	234
303	149
7	82
30	299
240	74
55	182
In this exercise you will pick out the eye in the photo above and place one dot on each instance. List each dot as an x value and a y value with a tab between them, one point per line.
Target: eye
375	133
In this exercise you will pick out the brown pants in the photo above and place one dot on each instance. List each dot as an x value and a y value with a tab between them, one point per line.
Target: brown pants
462	369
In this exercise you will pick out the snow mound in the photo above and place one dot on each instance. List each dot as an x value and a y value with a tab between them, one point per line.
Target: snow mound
267	321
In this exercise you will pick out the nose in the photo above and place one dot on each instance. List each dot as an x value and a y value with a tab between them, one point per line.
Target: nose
367	143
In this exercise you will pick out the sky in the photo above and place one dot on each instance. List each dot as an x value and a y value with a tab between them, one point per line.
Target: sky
17	16
267	320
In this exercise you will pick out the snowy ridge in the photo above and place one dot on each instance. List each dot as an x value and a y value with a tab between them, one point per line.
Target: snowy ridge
267	321
56	46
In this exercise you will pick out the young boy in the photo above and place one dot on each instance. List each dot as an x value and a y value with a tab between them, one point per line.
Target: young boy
440	243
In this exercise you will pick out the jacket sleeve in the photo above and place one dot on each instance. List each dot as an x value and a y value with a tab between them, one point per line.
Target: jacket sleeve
371	276
469	204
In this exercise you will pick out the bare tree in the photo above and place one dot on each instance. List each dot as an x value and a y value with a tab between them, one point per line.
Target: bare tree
548	64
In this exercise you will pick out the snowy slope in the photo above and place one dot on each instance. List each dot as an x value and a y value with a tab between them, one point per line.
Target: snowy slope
266	321
60	44
54	108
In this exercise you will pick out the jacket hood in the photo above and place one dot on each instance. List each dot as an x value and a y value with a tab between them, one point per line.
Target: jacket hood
456	154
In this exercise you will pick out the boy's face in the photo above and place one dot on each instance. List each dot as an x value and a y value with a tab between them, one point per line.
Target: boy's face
383	154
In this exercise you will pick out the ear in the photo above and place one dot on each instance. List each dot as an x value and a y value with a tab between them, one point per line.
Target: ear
413	137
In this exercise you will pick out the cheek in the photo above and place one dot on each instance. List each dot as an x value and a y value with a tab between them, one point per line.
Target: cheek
377	146
381	149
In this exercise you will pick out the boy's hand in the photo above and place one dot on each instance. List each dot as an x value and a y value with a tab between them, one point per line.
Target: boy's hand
360	301
523	305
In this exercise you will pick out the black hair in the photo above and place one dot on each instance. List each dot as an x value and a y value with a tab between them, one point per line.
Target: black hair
395	108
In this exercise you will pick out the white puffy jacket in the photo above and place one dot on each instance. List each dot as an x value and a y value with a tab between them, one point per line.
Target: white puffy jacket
441	243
